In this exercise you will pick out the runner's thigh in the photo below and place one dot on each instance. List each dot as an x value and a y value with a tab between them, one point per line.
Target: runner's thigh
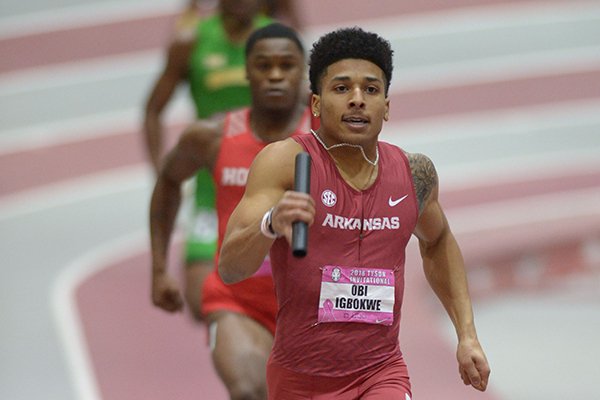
241	350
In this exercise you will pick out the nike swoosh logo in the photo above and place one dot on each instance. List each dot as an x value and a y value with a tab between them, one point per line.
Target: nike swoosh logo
394	203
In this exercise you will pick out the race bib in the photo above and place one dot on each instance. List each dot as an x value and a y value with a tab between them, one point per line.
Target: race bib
364	295
265	268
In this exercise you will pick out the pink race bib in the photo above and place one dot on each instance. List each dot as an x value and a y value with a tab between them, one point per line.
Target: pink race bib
364	295
265	268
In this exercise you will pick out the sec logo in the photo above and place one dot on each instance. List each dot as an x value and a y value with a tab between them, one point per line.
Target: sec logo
328	198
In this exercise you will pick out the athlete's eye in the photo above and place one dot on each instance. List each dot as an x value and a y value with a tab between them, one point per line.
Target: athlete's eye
262	66
372	90
286	66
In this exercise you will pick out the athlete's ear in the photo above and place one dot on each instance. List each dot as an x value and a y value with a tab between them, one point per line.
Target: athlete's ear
315	105
386	114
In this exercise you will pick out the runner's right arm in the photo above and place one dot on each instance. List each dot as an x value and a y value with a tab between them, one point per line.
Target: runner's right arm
174	72
196	149
270	181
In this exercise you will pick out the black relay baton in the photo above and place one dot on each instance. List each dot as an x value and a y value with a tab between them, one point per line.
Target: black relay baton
301	184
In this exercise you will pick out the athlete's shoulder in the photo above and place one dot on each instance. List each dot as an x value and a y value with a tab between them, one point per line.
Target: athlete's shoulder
275	163
420	163
307	141
282	149
207	28
424	174
204	132
277	157
186	24
236	122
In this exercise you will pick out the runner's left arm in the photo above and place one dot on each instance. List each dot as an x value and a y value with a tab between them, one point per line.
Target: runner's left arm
445	271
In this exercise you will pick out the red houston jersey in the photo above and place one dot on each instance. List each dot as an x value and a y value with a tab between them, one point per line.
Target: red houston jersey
254	296
239	147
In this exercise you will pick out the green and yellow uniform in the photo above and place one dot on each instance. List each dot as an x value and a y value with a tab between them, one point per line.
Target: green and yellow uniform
218	83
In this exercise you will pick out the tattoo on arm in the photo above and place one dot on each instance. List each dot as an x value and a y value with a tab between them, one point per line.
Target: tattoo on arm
424	176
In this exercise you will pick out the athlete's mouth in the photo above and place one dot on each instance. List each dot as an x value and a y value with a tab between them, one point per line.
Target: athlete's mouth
275	92
355	120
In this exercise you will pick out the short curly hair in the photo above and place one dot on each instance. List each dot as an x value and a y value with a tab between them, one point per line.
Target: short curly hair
349	43
274	30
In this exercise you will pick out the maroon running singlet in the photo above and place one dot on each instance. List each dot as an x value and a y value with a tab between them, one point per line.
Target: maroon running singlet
341	316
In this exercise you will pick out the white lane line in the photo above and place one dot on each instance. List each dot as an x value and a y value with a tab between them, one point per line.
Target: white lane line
517	170
511	122
81	129
526	210
470	19
84	15
101	69
42	198
89	127
66	313
535	64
